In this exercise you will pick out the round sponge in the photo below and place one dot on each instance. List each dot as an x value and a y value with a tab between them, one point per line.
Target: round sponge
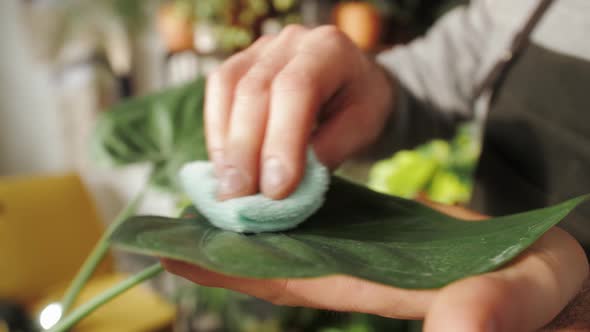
255	213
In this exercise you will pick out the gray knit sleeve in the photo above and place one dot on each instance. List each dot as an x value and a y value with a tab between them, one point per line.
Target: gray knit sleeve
435	75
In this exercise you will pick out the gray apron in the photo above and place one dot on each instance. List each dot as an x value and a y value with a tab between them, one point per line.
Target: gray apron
536	148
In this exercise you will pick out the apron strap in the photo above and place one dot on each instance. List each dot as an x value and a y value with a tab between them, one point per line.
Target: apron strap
518	43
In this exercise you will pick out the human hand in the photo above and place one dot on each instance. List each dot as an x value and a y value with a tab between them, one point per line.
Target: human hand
525	295
262	107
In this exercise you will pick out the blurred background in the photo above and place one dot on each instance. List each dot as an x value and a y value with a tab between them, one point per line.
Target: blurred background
63	62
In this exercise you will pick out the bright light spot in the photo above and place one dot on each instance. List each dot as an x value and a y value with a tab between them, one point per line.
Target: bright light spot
205	39
50	315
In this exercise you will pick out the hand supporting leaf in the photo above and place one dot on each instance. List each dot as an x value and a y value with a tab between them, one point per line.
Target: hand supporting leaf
357	232
523	296
348	256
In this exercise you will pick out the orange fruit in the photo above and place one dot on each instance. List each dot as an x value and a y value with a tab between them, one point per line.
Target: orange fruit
360	21
175	27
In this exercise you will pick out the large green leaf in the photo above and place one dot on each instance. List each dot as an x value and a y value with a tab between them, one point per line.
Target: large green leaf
357	232
164	129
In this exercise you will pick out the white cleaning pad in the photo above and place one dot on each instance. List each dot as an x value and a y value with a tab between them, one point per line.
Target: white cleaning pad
255	213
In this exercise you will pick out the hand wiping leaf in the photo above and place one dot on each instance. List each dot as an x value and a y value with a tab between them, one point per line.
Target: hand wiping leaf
357	232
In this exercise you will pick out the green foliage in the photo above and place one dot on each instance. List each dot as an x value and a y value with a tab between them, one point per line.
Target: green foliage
284	5
236	23
163	129
357	232
134	12
443	170
404	175
447	188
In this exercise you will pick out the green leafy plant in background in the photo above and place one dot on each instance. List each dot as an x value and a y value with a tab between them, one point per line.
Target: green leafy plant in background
164	130
91	21
237	23
442	170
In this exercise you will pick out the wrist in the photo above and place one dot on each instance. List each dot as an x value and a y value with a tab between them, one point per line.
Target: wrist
386	94
387	85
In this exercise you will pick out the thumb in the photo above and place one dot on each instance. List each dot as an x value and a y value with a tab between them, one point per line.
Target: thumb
523	296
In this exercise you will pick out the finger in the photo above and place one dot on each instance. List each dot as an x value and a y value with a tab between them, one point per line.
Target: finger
524	296
360	108
338	293
219	94
298	92
248	117
332	144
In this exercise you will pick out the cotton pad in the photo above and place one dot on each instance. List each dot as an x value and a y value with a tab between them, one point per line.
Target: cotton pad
255	213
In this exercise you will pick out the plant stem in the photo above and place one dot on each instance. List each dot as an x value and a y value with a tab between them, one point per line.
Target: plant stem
88	307
97	253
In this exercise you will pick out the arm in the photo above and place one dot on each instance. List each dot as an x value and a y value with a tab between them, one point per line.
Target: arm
436	75
525	295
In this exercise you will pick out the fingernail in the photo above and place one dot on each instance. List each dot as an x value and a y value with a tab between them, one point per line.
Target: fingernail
273	175
232	182
217	159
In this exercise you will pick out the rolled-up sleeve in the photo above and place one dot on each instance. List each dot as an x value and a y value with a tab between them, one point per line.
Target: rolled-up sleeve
436	75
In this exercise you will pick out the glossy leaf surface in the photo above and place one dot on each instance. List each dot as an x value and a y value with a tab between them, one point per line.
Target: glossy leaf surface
357	232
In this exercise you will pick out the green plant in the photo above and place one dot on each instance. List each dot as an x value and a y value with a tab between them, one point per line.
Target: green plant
164	130
396	241
441	169
357	232
235	24
91	19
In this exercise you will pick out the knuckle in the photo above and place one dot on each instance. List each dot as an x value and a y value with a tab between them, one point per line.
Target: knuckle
328	38
266	65
227	72
547	259
292	30
220	77
330	32
235	60
253	83
262	40
500	287
289	81
550	265
565	240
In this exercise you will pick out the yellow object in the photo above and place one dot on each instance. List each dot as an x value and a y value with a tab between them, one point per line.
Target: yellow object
48	225
360	21
139	309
